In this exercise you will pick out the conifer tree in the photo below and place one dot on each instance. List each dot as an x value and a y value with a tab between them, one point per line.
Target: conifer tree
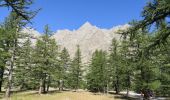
13	24
9	40
64	65
155	12
23	71
96	76
3	54
161	61
45	57
127	64
75	72
23	12
114	62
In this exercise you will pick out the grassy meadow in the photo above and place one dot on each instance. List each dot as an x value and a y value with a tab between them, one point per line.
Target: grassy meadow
65	95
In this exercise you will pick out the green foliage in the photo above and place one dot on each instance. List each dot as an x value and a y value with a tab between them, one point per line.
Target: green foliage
154	85
64	65
151	63
114	64
24	77
45	58
96	77
75	71
20	7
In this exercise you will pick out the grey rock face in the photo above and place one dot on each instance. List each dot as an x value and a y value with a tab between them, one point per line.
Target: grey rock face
88	37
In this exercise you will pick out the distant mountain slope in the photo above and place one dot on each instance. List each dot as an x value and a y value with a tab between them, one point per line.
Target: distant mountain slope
32	33
89	38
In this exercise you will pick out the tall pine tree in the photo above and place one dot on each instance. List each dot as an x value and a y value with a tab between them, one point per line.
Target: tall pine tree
45	59
96	76
64	65
75	72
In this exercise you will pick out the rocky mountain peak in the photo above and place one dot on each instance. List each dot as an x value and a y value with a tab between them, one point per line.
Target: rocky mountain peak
88	37
87	25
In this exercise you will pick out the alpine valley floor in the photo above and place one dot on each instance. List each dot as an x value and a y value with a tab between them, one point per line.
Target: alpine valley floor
65	95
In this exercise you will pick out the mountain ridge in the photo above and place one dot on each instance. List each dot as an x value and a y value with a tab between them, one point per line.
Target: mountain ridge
88	37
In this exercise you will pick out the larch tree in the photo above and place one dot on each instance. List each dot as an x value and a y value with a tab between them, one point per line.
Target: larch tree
23	71
75	71
20	7
96	76
114	62
13	24
45	57
4	54
64	65
19	17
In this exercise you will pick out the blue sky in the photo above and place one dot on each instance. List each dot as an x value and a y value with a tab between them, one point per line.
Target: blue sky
71	14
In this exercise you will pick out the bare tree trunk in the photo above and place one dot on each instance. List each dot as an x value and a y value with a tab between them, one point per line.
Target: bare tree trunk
9	82
48	87
44	89
48	82
9	85
107	90
7	95
61	85
127	94
77	84
128	84
41	86
117	85
1	77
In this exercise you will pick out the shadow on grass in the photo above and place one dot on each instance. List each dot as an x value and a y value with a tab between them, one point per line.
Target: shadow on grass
53	92
117	96
125	98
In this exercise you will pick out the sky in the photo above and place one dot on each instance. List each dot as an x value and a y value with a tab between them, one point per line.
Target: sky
71	14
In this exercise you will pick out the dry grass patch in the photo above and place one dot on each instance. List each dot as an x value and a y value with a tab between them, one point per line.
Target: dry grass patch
32	95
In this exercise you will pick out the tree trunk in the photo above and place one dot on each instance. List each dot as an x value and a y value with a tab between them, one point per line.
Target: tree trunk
9	83
48	87
116	89
7	95
61	85
42	86
11	66
127	94
1	77
77	84
117	85
48	82
107	90
128	84
44	89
